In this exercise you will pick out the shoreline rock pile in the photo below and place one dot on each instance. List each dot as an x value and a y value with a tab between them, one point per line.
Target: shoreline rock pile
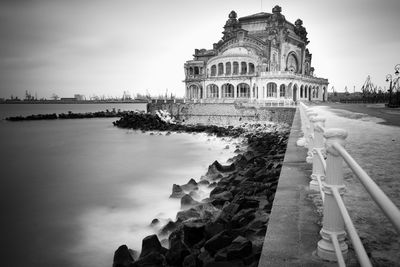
228	227
72	115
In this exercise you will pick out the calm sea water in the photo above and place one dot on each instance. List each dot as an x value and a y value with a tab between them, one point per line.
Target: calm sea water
72	191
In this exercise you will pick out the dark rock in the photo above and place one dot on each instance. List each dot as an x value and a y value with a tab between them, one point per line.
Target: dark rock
246	202
239	249
216	168
154	222
218	242
177	191
169	227
177	249
221	255
221	198
217	190
187	214
204	182
188	201
191	261
213	228
205	258
153	259
150	244
242	218
235	263
193	233
122	257
190	186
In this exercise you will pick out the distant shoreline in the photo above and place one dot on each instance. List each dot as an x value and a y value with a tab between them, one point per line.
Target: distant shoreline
74	102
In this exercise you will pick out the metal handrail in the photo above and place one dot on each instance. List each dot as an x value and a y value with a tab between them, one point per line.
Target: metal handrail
386	205
337	154
351	230
338	251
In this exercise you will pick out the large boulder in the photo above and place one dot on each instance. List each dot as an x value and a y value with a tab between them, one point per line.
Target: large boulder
177	191
218	242
190	186
193	233
177	249
188	201
168	228
153	259
122	257
240	248
187	214
150	244
221	198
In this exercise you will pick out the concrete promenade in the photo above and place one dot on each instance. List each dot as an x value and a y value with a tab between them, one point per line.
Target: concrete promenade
293	228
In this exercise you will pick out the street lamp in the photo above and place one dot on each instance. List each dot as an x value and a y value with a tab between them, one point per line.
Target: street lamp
389	78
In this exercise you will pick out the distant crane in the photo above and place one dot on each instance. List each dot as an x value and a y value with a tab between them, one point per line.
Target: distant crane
368	87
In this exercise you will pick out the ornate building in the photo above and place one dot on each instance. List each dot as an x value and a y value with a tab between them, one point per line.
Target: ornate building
260	57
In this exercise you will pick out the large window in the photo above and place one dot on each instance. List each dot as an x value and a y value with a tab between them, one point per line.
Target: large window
235	68
212	91
227	90
282	90
213	70
228	68
243	90
301	91
220	68
292	63
251	68
243	68
271	89
196	71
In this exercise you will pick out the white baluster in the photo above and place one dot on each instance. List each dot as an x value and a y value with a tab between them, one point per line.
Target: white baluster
332	223
318	169
310	135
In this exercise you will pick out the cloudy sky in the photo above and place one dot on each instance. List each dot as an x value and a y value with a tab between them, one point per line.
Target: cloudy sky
103	47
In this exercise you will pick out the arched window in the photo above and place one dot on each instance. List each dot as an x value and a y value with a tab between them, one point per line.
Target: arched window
251	68
228	68
271	89
196	71
291	63
235	68
227	90
301	91
213	70
190	71
316	92
244	68
220	68
282	90
193	91
243	90
305	91
313	93
212	91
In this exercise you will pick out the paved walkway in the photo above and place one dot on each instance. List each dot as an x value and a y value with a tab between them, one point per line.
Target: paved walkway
293	230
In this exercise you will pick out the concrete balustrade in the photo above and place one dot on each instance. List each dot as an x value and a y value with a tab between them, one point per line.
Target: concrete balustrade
318	171
333	224
327	177
310	134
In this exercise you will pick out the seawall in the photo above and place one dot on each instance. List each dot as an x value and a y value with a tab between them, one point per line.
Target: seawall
224	114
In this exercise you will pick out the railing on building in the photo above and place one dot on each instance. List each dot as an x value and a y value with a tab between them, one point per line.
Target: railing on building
283	102
326	152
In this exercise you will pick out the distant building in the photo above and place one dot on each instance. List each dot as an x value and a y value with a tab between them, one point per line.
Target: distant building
260	57
79	97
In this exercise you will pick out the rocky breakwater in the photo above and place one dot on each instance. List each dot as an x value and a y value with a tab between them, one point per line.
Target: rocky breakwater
228	227
72	115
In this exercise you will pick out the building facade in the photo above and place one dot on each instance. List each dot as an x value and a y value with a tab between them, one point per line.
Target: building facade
260	57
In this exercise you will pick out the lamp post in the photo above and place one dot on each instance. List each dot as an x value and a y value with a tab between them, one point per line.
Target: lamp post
393	83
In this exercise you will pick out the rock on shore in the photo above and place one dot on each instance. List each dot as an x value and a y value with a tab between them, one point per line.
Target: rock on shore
228	227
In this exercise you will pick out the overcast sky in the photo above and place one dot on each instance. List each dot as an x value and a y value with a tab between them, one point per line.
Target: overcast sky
103	47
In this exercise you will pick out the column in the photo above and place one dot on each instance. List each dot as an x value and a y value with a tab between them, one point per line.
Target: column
318	168
332	223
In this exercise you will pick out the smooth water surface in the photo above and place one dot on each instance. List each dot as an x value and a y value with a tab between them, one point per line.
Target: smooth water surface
72	191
